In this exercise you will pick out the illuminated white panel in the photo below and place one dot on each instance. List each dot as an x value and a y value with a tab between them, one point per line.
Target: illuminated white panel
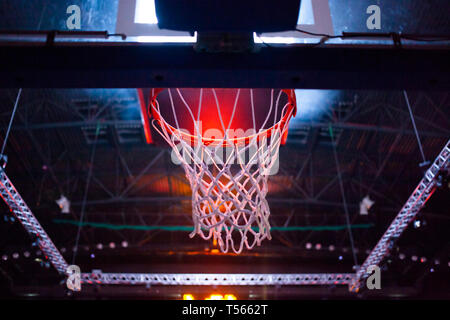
306	15
168	39
145	12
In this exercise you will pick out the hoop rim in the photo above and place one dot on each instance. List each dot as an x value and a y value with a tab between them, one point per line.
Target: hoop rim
193	140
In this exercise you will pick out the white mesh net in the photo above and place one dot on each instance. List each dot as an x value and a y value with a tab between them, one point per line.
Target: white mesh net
228	175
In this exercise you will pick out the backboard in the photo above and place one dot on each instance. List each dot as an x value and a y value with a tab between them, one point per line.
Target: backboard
137	18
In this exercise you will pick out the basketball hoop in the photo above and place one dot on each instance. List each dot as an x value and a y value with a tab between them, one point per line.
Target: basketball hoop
227	165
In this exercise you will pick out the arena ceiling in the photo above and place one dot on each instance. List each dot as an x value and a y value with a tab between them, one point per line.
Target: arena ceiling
138	201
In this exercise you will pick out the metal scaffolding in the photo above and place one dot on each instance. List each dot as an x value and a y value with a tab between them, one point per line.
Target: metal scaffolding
20	209
219	279
355	281
411	208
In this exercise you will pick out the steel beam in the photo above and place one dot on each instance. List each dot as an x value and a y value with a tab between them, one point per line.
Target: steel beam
408	212
137	65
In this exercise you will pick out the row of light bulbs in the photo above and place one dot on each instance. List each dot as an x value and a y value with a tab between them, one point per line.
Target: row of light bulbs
308	246
401	256
38	253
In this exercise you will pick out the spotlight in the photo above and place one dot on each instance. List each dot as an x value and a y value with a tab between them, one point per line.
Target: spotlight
331	247
341	257
64	204
401	256
99	246
112	245
414	258
92	256
417	224
318	246
215	296
423	259
15	255
26	254
124	244
308	246
365	205
431	270
4	257
437	262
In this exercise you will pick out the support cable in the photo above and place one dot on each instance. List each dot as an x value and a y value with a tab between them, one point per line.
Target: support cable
83	205
341	186
424	162
10	122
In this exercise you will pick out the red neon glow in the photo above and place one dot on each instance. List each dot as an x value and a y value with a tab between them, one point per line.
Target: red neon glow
145	117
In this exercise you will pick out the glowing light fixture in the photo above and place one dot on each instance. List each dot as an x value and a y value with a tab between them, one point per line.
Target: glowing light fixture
145	12
213	296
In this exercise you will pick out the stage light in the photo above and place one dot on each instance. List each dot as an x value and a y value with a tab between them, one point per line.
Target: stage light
437	262
365	205
423	259
414	258
124	244
215	296
331	247
112	245
99	246
308	246
341	257
401	256
64	204
417	224
92	256
431	270
26	254
318	246
4	257
188	296
15	255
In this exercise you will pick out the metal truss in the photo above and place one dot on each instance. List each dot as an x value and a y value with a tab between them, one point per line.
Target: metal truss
20	209
411	208
355	281
220	279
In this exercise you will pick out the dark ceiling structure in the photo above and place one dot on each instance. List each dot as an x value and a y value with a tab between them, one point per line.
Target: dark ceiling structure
90	146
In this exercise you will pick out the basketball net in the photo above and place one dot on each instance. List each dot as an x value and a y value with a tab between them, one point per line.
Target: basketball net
228	175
